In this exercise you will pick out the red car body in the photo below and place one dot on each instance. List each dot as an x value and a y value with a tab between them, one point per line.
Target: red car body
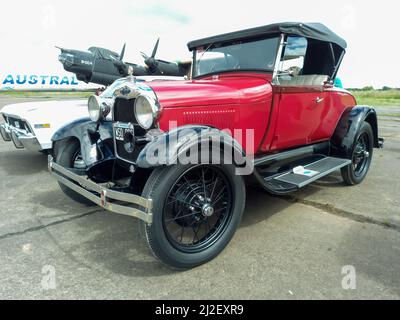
281	117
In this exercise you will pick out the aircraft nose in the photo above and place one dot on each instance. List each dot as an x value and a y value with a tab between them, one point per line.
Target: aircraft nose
66	59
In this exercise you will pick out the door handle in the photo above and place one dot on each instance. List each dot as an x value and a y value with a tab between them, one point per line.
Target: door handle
319	100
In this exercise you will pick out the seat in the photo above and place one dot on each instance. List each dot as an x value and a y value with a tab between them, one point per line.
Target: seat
304	80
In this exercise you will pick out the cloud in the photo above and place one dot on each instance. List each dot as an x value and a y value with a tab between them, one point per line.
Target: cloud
163	11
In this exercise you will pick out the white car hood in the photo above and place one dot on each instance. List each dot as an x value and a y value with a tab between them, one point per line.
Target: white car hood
54	112
39	112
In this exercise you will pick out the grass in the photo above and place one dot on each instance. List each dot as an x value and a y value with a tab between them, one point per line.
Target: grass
378	98
46	94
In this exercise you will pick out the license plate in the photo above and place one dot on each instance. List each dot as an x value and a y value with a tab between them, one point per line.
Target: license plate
121	131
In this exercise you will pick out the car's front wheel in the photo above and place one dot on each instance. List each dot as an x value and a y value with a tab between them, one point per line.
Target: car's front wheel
196	211
69	155
361	156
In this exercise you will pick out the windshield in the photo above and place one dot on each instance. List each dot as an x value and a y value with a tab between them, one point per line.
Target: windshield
253	54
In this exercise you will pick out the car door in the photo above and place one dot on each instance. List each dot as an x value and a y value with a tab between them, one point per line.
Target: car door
301	113
301	100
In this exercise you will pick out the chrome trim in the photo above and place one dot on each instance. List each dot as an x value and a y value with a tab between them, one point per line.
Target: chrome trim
21	138
381	143
275	79
88	188
5	132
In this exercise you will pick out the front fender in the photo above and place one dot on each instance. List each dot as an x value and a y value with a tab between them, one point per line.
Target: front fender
169	147
348	127
91	139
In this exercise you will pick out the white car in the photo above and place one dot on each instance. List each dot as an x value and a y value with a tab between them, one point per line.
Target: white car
31	125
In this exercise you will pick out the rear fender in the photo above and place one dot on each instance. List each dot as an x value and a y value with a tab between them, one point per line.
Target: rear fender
349	126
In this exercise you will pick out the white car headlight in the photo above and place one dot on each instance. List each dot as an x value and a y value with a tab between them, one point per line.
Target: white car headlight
146	110
98	108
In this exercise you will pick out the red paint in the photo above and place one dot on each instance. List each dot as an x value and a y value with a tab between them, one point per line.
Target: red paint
281	117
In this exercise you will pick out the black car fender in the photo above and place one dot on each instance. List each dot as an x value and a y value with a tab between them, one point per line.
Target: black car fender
348	127
176	142
91	136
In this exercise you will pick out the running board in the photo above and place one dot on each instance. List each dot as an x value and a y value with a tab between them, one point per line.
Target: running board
303	175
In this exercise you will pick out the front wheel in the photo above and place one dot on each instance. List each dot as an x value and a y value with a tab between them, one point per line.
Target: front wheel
69	155
197	209
361	156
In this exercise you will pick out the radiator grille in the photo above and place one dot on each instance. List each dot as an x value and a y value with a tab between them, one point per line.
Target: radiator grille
124	110
18	123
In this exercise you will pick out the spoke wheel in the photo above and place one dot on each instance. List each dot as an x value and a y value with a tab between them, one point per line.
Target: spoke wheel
197	208
196	211
361	156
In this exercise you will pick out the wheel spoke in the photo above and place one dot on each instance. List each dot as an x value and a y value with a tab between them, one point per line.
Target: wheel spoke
219	197
185	216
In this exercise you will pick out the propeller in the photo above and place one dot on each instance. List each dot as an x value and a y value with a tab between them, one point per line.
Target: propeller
122	66
151	62
121	56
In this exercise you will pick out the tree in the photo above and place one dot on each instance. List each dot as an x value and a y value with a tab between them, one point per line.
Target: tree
368	88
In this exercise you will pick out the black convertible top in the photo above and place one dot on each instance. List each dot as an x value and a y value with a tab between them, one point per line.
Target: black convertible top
316	31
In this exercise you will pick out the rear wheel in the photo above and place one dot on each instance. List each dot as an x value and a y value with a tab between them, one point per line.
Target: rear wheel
69	156
197	209
361	156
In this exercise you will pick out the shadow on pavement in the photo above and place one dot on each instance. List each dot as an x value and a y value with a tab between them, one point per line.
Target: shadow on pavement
22	162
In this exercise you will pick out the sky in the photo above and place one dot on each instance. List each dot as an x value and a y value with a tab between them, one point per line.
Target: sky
30	30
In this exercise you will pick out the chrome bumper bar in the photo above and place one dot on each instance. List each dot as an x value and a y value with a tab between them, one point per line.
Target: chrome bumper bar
20	138
5	132
101	195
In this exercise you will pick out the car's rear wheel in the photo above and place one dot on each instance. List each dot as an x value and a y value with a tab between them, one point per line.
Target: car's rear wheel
361	156
69	156
196	211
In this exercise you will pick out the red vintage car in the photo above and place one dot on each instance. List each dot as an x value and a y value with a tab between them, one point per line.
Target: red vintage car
260	105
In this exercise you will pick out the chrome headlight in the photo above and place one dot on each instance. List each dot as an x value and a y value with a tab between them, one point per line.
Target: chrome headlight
146	110
98	108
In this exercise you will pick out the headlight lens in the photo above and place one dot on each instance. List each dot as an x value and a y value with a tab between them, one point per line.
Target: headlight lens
94	108
145	111
98	108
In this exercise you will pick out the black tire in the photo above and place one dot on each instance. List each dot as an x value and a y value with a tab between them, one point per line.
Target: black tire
65	156
168	250
361	156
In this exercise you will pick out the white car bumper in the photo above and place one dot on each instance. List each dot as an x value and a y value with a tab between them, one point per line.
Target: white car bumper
20	137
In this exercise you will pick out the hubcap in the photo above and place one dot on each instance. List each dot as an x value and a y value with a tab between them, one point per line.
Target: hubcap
207	210
78	161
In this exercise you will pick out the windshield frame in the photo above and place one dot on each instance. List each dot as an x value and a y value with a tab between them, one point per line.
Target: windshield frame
260	70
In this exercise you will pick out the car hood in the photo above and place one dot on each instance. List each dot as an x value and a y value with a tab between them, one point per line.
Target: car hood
206	92
47	111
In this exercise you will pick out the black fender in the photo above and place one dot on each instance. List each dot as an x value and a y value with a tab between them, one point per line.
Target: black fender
176	142
348	127
91	136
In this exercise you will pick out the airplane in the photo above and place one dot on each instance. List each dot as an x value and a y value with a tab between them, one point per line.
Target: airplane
103	66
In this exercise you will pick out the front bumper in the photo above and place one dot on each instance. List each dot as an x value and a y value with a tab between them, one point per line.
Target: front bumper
5	132
21	138
103	196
